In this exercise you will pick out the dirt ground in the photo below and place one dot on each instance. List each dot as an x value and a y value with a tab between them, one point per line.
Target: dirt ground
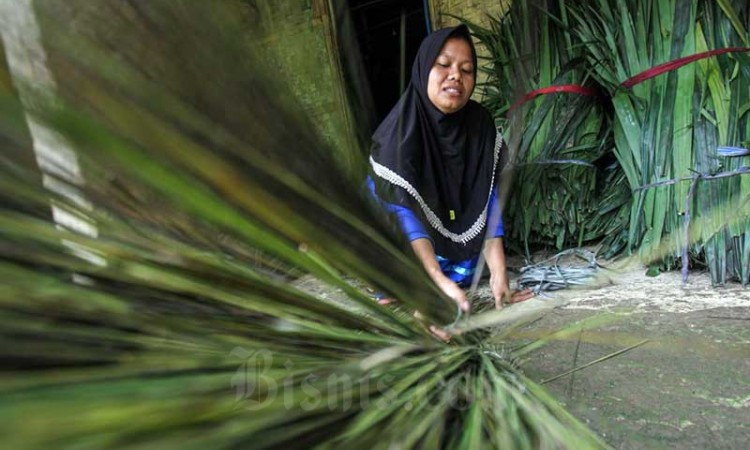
687	388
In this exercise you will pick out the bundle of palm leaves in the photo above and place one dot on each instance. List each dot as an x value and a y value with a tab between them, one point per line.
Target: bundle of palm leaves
668	129
678	192
567	187
159	191
722	119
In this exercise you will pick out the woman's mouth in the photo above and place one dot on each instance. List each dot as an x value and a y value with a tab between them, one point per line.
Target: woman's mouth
452	91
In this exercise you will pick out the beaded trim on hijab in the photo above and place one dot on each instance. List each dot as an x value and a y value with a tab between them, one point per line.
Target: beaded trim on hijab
463	238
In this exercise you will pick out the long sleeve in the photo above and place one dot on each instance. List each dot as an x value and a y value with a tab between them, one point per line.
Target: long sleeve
495	214
411	226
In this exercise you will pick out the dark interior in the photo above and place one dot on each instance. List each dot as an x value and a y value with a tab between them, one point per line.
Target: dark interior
377	25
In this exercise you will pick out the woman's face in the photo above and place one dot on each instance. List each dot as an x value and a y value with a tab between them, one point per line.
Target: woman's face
451	79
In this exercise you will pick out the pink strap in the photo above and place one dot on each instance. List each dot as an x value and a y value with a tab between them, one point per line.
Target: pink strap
630	82
570	88
676	64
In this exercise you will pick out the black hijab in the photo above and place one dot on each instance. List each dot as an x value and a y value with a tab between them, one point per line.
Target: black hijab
441	166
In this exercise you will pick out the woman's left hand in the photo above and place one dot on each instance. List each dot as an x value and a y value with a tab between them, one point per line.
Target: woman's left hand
495	256
500	288
501	291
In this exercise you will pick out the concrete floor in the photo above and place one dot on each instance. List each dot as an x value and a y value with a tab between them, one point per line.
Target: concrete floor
687	388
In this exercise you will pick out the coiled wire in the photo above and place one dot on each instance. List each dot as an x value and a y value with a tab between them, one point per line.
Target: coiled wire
548	275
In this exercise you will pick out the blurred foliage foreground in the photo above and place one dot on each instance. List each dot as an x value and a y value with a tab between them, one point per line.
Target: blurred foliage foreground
159	192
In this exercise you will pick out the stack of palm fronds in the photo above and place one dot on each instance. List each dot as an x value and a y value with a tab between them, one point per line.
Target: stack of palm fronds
721	120
151	307
668	129
679	196
567	188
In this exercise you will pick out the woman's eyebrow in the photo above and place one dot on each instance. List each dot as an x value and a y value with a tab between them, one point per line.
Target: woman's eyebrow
448	55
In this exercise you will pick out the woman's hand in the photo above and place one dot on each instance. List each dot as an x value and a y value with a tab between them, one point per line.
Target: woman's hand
453	291
500	288
495	257
502	293
426	254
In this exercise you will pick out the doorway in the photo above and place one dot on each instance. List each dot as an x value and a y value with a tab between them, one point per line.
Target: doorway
378	26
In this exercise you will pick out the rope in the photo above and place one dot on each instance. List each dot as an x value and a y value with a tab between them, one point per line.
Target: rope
568	88
676	64
551	277
576	162
740	171
630	82
731	152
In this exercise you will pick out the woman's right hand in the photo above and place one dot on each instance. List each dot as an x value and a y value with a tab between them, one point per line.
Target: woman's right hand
423	249
452	290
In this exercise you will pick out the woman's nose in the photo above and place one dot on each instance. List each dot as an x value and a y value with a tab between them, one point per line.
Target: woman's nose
455	74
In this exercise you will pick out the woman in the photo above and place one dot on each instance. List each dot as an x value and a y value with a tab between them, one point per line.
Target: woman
435	160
